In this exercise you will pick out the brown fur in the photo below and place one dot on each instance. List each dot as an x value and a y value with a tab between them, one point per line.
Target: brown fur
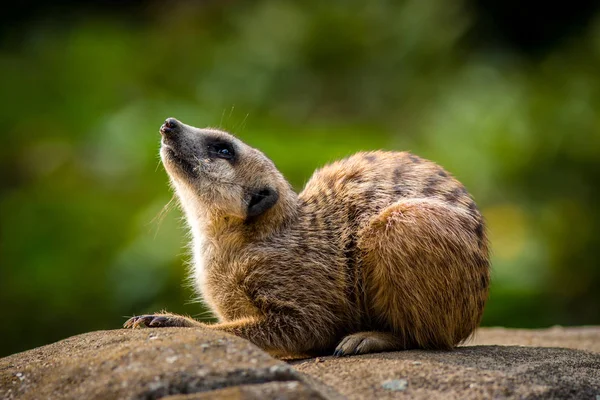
381	251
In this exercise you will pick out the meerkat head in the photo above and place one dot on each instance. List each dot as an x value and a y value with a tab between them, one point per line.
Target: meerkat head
219	177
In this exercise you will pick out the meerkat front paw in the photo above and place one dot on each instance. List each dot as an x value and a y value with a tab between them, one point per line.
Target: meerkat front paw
367	342
162	320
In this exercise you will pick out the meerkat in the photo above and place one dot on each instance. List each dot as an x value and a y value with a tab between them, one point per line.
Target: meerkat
381	251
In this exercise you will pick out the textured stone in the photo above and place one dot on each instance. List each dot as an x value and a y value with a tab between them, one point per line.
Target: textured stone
193	363
148	364
270	390
582	338
465	373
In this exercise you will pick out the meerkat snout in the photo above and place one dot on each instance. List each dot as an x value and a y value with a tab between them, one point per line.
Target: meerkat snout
170	126
380	251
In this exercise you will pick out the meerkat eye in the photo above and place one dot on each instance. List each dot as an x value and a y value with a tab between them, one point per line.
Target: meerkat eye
224	152
221	150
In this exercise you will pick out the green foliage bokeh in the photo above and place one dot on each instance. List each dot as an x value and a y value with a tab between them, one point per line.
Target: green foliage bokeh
83	240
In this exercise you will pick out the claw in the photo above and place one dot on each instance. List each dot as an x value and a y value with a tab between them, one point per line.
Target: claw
141	321
358	349
130	323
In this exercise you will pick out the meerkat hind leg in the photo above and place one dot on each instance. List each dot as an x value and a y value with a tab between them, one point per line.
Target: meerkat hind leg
421	274
367	342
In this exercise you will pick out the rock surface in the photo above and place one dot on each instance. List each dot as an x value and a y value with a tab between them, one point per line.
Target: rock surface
148	364
582	338
465	373
186	363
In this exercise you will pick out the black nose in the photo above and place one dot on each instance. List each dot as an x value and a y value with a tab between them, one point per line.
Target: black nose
170	126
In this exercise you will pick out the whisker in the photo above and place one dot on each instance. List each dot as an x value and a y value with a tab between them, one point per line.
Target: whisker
159	218
230	112
242	124
203	314
221	122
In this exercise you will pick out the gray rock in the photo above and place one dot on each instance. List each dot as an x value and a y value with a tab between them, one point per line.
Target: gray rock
259	391
149	364
465	373
582	338
192	363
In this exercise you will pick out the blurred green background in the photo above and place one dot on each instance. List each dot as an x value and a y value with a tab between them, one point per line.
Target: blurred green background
504	95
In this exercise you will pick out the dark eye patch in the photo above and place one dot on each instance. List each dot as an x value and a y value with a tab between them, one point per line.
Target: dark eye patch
220	149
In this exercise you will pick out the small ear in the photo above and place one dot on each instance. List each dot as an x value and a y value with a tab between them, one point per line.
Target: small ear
261	201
